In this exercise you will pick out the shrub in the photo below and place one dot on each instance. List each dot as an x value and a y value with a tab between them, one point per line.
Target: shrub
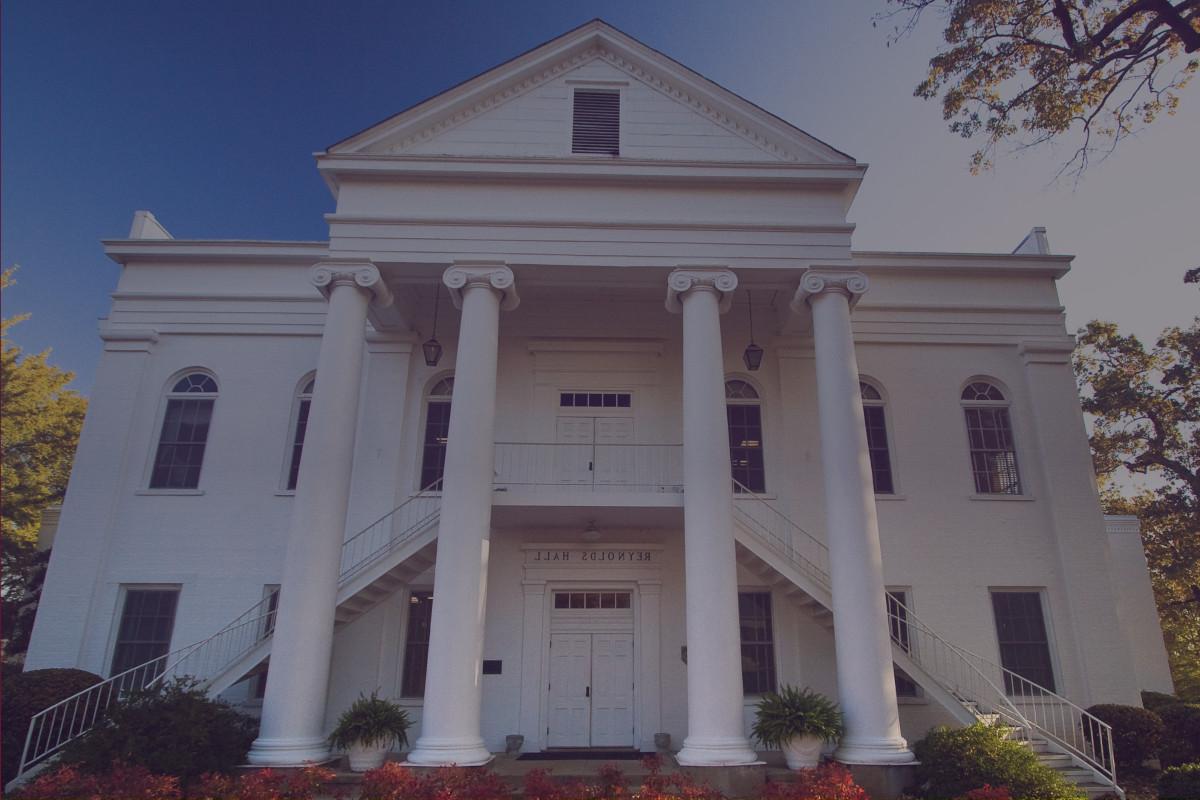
796	712
987	792
394	782
27	693
1180	783
677	786
539	785
369	722
955	761
172	729
265	784
1181	734
826	782
1136	733
1154	701
122	780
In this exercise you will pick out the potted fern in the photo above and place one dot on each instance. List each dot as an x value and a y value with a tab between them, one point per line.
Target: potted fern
798	722
367	730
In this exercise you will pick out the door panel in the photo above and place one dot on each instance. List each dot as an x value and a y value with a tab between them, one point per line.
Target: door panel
570	675
615	457
573	453
612	690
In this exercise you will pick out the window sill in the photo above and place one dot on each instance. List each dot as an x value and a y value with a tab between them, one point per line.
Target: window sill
286	493
763	496
169	492
891	497
1004	498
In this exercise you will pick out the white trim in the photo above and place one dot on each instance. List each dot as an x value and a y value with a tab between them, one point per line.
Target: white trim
165	396
118	614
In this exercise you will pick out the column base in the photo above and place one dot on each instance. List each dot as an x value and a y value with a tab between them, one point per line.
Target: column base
873	751
716	752
456	752
288	752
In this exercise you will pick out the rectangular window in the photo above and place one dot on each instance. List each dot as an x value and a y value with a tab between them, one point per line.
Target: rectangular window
993	456
1024	645
144	633
758	642
298	443
745	446
877	446
181	445
897	602
271	593
594	399
416	644
437	432
587	600
596	122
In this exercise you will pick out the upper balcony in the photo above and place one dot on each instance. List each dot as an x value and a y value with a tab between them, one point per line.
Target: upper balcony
588	474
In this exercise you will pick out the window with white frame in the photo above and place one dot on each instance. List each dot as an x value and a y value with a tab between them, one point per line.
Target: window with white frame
877	438
266	628
1023	639
144	631
596	122
437	432
901	633
990	436
184	433
744	415
300	409
416	644
758	642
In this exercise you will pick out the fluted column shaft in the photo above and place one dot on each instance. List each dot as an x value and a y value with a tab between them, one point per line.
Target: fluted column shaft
450	732
293	716
714	680
866	684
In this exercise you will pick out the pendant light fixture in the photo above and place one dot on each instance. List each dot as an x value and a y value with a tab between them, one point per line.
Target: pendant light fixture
753	355
433	348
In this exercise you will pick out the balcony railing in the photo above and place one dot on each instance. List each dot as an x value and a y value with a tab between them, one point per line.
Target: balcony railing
645	468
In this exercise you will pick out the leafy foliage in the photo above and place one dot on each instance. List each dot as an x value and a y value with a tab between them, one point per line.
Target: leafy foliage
1180	783
1146	422
1030	71
826	782
955	761
1181	734
1156	701
264	784
1136	732
121	780
394	782
539	785
370	721
172	728
796	712
27	693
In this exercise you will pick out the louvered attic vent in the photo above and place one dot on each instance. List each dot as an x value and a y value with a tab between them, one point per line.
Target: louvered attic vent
596	123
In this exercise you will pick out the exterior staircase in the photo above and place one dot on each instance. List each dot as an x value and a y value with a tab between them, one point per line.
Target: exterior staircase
402	544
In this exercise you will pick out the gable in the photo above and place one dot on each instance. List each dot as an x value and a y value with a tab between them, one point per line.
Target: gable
523	109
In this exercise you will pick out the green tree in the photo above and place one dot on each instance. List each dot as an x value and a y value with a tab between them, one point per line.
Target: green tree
1025	72
39	429
1145	405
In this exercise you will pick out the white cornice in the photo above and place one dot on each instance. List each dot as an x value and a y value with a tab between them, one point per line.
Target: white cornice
124	251
644	346
1055	266
607	224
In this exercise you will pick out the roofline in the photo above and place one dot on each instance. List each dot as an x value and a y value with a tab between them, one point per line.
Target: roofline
1054	265
124	251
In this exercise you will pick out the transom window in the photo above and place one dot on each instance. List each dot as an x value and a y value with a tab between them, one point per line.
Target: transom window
437	432
590	600
596	122
144	632
595	399
1024	645
744	416
989	433
181	442
877	438
758	642
302	405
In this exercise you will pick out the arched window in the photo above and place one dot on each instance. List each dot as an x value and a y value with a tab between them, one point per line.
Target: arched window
184	432
300	410
877	438
437	429
744	415
989	432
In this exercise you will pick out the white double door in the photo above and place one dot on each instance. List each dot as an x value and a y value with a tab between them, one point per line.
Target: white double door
591	690
595	451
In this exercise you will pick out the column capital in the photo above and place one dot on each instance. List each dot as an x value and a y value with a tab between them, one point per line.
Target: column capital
710	279
363	274
494	275
851	283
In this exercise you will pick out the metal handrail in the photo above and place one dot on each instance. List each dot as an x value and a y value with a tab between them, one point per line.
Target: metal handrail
961	672
54	727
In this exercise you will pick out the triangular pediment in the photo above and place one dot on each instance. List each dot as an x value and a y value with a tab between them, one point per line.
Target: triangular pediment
522	109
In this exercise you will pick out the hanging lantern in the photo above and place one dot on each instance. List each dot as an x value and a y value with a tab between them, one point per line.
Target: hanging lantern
432	348
753	354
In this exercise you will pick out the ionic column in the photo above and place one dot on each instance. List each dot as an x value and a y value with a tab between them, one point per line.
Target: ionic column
450	719
293	716
866	686
714	682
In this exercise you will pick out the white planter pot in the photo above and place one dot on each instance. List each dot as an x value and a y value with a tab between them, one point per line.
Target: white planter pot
803	752
363	758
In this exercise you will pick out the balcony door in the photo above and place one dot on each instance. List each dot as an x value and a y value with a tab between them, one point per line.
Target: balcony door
595	451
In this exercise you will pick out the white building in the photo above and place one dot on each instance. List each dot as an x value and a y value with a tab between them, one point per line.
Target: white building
625	530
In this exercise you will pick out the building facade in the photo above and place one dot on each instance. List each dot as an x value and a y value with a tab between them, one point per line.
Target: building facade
587	424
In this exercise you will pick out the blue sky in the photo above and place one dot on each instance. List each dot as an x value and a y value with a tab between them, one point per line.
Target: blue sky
208	115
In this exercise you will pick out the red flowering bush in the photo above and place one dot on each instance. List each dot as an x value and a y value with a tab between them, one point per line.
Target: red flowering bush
675	786
988	792
265	784
826	782
539	785
394	782
122	781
